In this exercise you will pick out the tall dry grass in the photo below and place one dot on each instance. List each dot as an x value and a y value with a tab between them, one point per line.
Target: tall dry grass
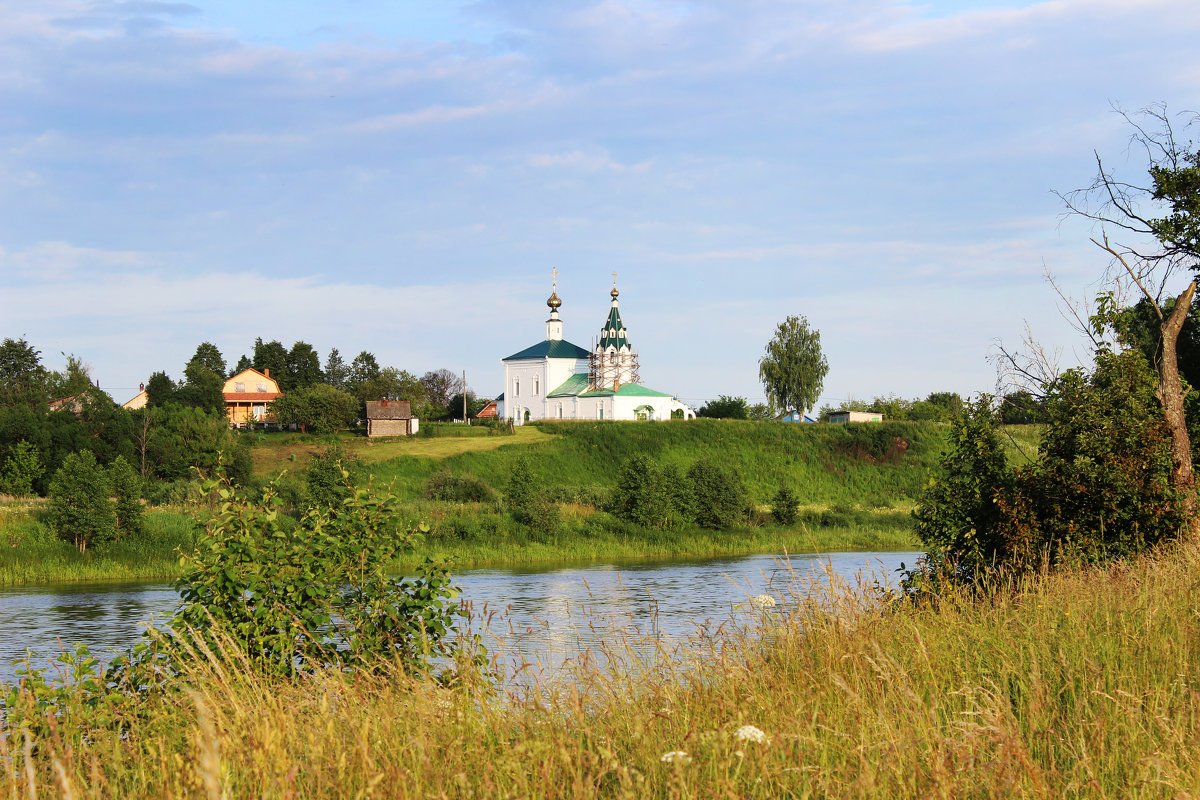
1079	684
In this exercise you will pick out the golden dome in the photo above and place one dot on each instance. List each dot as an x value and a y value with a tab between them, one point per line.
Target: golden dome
553	301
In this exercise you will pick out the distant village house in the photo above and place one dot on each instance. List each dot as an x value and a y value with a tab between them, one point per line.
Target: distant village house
390	418
247	395
855	416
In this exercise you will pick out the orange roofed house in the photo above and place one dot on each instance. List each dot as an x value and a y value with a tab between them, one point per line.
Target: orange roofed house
247	395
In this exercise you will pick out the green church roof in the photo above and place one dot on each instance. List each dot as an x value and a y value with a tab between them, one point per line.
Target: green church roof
571	387
627	390
559	348
613	333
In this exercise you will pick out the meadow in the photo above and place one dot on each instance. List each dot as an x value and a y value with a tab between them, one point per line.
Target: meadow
1079	684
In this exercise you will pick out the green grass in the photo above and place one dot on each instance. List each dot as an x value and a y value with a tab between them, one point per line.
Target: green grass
1081	684
31	554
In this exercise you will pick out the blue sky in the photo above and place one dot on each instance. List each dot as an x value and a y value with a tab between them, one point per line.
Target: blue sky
401	177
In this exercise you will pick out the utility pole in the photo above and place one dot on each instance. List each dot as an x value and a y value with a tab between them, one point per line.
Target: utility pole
464	388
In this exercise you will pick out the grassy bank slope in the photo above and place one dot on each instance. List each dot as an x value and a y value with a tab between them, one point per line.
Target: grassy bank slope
826	464
1082	686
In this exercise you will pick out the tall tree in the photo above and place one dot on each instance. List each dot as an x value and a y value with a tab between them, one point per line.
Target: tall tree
303	366
440	385
272	356
160	389
1155	232
336	372
363	368
793	368
22	376
207	357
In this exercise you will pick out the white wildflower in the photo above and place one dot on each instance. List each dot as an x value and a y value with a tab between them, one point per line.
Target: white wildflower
763	601
749	733
675	757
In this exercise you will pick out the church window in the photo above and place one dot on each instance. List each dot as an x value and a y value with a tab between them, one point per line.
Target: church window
517	387
560	411
536	387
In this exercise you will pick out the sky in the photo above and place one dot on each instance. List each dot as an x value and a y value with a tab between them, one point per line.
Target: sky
401	177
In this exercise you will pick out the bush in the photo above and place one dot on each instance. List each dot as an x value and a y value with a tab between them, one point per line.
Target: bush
22	470
530	502
80	509
127	496
1099	489
783	506
329	478
719	495
317	594
461	488
651	496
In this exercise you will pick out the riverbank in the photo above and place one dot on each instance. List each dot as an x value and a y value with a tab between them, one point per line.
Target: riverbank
1080	684
470	536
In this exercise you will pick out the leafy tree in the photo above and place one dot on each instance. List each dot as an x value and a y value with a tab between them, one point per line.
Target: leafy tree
958	519
1158	225
363	368
440	385
474	405
127	490
328	479
73	379
22	376
244	363
315	594
951	401
319	408
760	412
528	501
202	389
80	509
1021	408
783	506
793	369
337	373
273	356
207	357
650	495
719	495
22	470
303	366
160	389
725	407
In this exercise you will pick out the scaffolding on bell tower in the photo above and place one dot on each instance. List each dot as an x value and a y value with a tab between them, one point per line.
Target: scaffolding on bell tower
611	368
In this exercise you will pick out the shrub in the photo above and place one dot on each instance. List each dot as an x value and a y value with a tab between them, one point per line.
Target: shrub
651	496
80	509
461	488
22	470
315	594
719	495
328	479
783	506
1099	488
127	496
529	501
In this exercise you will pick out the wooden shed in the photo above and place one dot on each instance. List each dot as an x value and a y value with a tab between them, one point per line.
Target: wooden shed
390	418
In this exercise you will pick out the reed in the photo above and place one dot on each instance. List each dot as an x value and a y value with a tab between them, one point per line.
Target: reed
1078	684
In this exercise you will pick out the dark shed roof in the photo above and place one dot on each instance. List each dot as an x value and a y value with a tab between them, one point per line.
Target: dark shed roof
388	409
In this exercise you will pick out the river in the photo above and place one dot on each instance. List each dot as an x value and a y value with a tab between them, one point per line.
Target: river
542	616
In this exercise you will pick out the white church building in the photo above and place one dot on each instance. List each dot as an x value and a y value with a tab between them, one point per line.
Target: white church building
555	379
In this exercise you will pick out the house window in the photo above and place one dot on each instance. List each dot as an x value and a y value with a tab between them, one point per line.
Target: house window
261	387
239	387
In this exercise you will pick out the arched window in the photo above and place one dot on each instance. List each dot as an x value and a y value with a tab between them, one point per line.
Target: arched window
537	385
517	387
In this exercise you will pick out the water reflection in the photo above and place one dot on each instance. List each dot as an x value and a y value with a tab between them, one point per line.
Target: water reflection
543	616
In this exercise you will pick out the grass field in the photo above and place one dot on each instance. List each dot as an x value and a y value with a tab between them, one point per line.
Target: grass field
1081	684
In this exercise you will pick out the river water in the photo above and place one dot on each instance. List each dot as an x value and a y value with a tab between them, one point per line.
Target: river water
539	616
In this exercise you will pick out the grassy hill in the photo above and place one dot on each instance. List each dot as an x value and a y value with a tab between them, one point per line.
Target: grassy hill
866	465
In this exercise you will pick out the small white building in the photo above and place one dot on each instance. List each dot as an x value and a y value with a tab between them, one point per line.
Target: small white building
555	379
855	416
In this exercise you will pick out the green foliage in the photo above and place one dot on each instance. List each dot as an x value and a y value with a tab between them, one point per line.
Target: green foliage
719	498
22	470
127	487
316	594
793	368
652	495
273	356
22	377
329	478
784	506
319	408
528	501
160	389
458	488
336	372
1021	408
1099	489
958	519
725	407
80	509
